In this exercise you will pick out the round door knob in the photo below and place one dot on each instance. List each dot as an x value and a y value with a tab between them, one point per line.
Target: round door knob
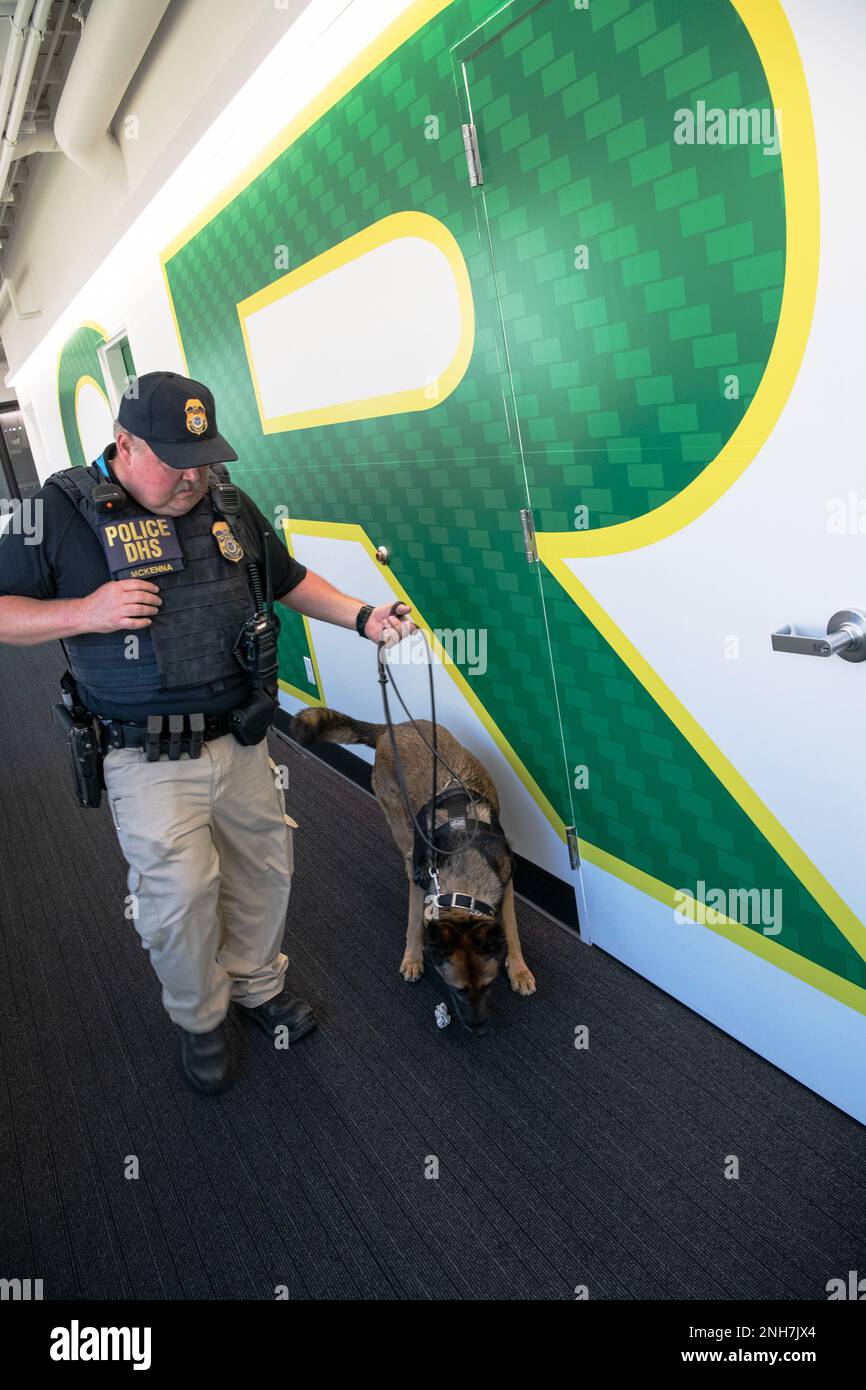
383	555
850	622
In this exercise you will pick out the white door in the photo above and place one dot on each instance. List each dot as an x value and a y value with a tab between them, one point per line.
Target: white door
762	929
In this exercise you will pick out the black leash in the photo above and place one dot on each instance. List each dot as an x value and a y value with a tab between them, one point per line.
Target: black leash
386	675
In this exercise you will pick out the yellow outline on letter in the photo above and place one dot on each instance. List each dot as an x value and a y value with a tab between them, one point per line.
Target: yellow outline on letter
419	226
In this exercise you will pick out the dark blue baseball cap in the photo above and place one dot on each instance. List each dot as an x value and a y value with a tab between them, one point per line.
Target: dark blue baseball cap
176	417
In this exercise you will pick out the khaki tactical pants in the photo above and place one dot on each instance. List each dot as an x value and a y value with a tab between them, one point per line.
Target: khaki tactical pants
210	858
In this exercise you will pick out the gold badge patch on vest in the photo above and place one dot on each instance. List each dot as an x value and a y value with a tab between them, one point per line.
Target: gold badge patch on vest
230	548
141	547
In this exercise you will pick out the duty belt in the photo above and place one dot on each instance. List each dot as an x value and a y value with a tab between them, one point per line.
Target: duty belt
167	735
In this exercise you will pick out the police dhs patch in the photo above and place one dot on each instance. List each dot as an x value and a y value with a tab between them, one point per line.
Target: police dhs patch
141	547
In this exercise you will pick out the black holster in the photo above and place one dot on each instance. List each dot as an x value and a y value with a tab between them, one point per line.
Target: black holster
87	756
252	719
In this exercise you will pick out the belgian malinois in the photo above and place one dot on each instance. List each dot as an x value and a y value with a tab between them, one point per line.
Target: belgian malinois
465	943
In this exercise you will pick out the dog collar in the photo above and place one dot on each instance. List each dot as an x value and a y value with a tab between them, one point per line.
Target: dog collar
472	905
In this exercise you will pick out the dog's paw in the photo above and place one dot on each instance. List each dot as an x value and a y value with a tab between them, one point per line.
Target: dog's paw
411	968
521	977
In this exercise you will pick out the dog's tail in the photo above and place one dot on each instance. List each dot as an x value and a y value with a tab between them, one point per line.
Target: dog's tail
333	727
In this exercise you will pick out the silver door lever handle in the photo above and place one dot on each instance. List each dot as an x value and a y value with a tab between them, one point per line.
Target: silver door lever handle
846	637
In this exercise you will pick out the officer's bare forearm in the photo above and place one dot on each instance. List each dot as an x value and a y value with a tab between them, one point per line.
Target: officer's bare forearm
316	598
25	622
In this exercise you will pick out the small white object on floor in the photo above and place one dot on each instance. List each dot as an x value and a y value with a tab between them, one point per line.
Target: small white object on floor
443	1018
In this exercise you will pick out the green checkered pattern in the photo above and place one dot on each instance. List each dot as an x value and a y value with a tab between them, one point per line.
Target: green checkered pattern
616	372
619	368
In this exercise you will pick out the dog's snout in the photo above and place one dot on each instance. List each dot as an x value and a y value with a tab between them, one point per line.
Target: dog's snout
474	1013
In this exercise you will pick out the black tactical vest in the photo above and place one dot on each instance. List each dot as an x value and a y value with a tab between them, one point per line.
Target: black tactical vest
192	637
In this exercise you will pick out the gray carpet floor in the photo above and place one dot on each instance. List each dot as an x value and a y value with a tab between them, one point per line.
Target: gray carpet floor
557	1168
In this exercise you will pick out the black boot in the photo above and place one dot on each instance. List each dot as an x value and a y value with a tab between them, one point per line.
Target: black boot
206	1059
283	1012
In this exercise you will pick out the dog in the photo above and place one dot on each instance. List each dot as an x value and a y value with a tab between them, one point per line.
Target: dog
465	942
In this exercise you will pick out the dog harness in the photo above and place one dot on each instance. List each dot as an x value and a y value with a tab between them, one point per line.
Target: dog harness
458	806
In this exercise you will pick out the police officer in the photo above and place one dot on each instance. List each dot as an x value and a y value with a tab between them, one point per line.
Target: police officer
151	570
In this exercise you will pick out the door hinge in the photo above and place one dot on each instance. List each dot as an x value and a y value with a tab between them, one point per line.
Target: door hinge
573	846
530	545
473	158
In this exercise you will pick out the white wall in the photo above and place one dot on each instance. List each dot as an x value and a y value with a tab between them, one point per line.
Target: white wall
201	55
126	290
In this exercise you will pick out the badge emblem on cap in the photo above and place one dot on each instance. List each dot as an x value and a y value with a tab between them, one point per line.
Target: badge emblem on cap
230	548
196	419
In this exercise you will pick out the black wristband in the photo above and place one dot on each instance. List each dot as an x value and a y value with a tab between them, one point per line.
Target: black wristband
362	619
